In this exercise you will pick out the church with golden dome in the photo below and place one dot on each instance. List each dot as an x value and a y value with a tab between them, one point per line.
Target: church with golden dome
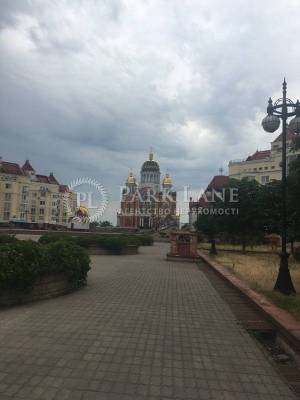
148	204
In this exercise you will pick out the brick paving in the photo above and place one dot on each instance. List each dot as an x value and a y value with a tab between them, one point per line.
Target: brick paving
143	328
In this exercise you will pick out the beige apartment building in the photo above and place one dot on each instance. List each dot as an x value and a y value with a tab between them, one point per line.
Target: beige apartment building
264	166
28	197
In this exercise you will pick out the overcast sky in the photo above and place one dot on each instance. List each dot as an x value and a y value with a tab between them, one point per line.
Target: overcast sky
87	86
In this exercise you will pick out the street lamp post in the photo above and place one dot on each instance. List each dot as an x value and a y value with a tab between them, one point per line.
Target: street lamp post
283	109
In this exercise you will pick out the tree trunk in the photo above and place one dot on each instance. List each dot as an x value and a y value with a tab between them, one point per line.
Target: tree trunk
213	249
284	282
243	246
292	245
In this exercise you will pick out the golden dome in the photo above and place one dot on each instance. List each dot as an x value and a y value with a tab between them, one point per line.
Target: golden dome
82	211
167	180
131	179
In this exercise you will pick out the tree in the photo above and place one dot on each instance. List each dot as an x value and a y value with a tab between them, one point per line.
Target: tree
96	225
248	223
293	201
209	226
105	224
270	202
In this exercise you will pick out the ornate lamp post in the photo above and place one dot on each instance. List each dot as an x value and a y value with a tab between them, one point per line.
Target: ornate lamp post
283	108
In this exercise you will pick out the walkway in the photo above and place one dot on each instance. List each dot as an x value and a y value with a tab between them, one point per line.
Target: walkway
143	328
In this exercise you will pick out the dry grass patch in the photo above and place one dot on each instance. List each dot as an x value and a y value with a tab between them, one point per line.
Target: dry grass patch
260	272
238	247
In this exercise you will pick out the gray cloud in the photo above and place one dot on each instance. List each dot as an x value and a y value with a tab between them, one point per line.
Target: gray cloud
87	86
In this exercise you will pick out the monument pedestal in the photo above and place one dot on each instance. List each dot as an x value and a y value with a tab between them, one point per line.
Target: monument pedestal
183	246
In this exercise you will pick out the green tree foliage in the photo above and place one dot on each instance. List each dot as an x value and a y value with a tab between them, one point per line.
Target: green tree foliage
209	222
249	222
293	201
270	201
209	226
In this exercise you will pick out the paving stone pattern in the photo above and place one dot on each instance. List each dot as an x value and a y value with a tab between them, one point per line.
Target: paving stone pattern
143	328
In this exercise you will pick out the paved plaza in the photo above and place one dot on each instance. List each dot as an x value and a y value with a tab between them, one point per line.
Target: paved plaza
143	328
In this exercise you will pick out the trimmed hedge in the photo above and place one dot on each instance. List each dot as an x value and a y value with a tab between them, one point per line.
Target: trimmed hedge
114	244
7	239
22	263
48	238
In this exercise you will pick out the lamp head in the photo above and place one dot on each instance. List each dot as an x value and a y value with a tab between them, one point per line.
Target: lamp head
271	122
294	124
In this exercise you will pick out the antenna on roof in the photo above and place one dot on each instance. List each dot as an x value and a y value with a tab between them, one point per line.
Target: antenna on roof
221	170
151	154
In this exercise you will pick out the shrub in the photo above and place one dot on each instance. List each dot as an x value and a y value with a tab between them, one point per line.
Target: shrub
113	245
70	259
48	238
145	240
20	265
7	239
140	240
23	262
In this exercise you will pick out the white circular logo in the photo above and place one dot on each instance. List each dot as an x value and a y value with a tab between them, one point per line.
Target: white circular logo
87	197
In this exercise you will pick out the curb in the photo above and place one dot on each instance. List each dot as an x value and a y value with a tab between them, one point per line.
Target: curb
288	326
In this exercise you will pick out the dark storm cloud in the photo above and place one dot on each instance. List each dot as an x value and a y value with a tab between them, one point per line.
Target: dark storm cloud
87	86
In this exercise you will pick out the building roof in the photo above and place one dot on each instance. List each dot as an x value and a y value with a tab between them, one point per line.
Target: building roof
10	168
218	182
46	179
52	179
150	165
289	137
15	169
63	188
27	166
42	178
259	155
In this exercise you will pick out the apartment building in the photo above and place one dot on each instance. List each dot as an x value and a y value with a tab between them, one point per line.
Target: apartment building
264	166
28	197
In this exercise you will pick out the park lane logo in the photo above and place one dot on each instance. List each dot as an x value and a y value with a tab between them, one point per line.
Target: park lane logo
90	194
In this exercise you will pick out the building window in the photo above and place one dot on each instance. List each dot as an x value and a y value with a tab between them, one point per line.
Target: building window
255	169
25	189
42	211
32	210
22	215
266	167
260	168
7	185
265	179
7	196
42	203
53	203
6	215
273	167
24	197
33	219
6	206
